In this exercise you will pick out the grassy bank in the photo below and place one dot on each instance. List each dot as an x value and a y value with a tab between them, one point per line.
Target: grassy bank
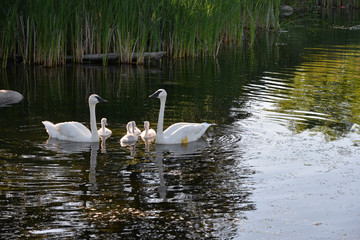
45	32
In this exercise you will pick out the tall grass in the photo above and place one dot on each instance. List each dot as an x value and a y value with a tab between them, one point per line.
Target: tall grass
46	31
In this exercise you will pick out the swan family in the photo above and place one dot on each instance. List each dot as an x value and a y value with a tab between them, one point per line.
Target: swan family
178	133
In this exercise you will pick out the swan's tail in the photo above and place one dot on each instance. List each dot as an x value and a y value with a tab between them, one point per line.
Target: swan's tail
207	125
50	128
210	124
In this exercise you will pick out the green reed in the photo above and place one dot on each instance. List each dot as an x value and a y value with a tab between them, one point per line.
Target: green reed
46	32
8	35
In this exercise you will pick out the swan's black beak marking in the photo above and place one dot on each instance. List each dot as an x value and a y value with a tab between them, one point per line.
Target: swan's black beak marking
100	99
155	95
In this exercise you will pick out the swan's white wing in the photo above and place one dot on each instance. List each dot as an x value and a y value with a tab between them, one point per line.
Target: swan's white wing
107	132
182	131
69	131
128	139
150	134
176	126
72	129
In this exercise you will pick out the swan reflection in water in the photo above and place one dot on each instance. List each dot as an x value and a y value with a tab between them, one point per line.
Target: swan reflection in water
131	146
179	150
148	142
174	150
160	153
67	147
103	143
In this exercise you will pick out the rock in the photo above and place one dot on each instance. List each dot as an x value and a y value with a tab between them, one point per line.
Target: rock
285	10
8	97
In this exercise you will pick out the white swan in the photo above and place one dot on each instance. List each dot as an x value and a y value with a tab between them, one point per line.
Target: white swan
75	131
137	131
130	136
103	131
148	133
178	132
132	125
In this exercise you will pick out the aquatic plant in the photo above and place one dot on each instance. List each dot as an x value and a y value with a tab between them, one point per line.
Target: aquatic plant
46	32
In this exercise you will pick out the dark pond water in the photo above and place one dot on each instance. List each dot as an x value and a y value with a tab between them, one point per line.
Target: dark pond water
282	162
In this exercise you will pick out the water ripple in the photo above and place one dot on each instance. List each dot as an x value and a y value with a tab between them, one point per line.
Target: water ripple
226	137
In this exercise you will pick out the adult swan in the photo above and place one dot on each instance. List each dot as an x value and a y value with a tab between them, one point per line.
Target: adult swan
75	131
178	132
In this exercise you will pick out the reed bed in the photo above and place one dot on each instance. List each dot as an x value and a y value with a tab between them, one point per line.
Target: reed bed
46	32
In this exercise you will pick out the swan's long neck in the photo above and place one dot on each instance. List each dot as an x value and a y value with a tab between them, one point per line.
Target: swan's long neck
93	128
146	131
133	127
160	126
103	127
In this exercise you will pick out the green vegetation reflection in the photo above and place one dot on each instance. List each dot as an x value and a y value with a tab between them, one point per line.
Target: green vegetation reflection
327	87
